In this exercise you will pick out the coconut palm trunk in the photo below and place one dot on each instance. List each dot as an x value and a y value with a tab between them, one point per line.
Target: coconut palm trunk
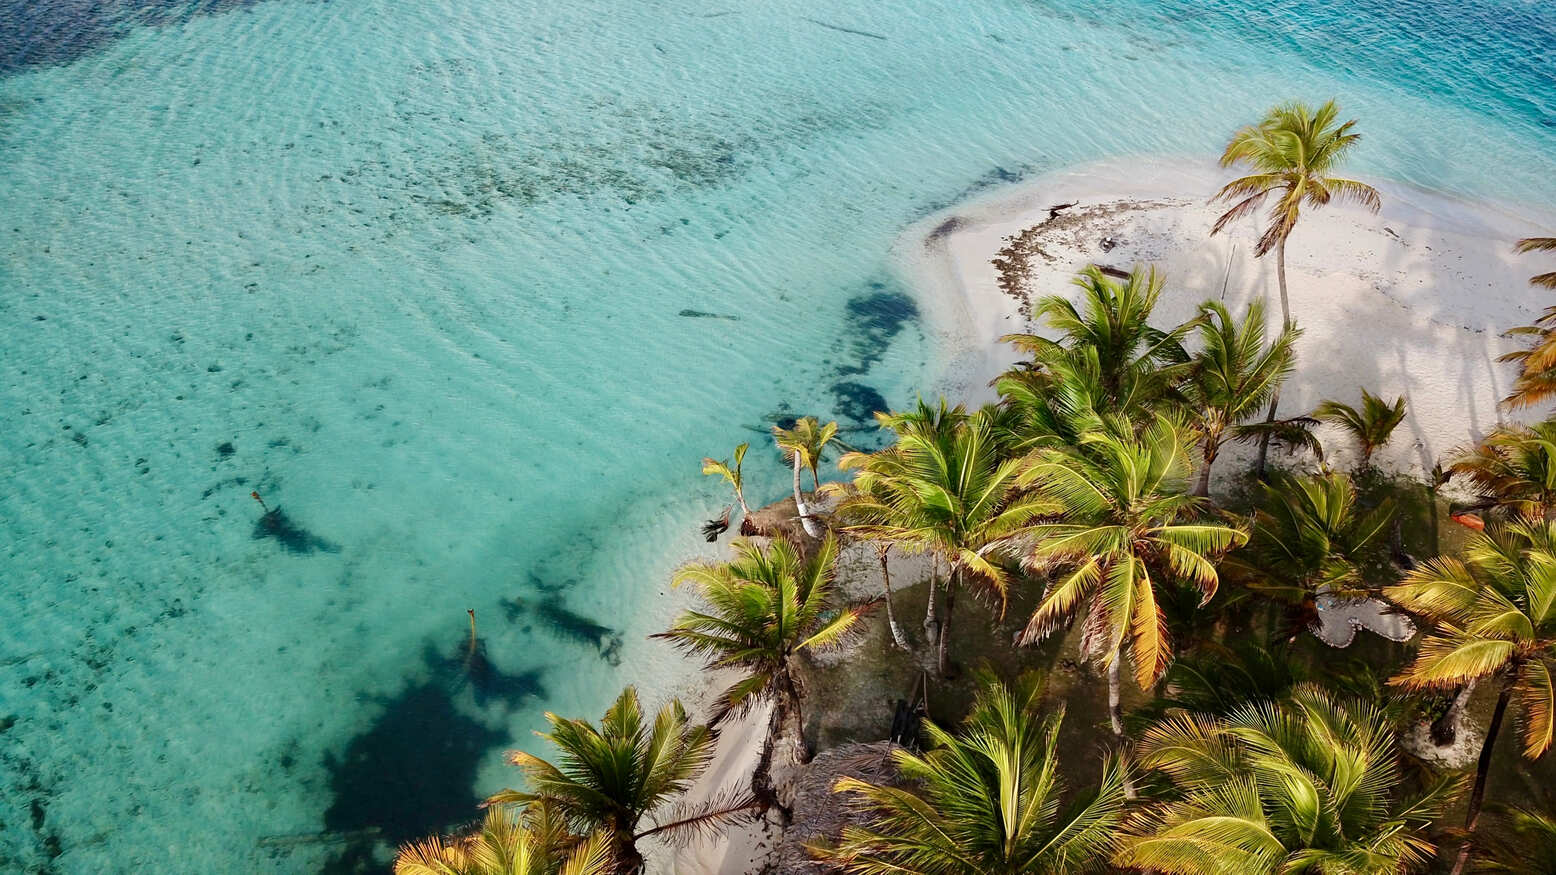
1212	449
795	708
945	626
762	787
1115	697
882	549
806	520
1116	716
624	850
1285	317
1482	771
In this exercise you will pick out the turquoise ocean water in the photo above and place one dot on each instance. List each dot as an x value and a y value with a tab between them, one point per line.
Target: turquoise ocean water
426	276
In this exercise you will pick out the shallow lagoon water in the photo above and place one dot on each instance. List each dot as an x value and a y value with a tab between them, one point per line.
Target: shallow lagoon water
416	274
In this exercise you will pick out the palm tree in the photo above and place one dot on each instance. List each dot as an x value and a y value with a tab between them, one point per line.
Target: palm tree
983	801
1513	469
764	608
608	779
1536	381
1540	244
1126	528
1134	363
1234	374
863	513
1309	538
732	475
952	492
1493	610
531	842
894	523
1371	426
811	438
1291	152
802	446
1308	785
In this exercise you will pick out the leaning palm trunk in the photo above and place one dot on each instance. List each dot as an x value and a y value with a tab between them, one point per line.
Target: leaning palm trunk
1482	770
1285	316
806	520
897	636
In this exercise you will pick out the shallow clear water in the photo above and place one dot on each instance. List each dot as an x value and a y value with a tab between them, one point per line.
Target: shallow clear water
415	273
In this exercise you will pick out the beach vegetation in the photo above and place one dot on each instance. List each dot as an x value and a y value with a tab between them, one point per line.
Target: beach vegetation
947	487
1512	470
1308	784
1125	530
760	611
1235	373
802	445
1311	537
1539	244
612	777
986	799
1293	153
1370	425
533	841
1493	611
733	475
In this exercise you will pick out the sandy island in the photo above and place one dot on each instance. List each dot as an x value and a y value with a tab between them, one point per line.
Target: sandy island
1410	301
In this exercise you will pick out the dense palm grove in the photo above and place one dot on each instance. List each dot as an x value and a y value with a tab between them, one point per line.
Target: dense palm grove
1084	495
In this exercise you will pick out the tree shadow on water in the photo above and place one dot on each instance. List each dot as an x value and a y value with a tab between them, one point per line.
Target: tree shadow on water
412	772
292	537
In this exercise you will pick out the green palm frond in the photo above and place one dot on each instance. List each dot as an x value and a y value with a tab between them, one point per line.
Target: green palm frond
1291	152
1371	426
1513	468
1124	528
608	777
764	606
1522	842
1309	534
945	487
987	800
532	842
1494	611
808	438
1107	363
730	473
1539	244
1306	784
1234	375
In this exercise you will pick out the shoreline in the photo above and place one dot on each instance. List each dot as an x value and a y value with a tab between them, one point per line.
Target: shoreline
1433	276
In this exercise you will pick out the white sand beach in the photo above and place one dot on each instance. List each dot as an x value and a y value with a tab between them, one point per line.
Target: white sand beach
1410	301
